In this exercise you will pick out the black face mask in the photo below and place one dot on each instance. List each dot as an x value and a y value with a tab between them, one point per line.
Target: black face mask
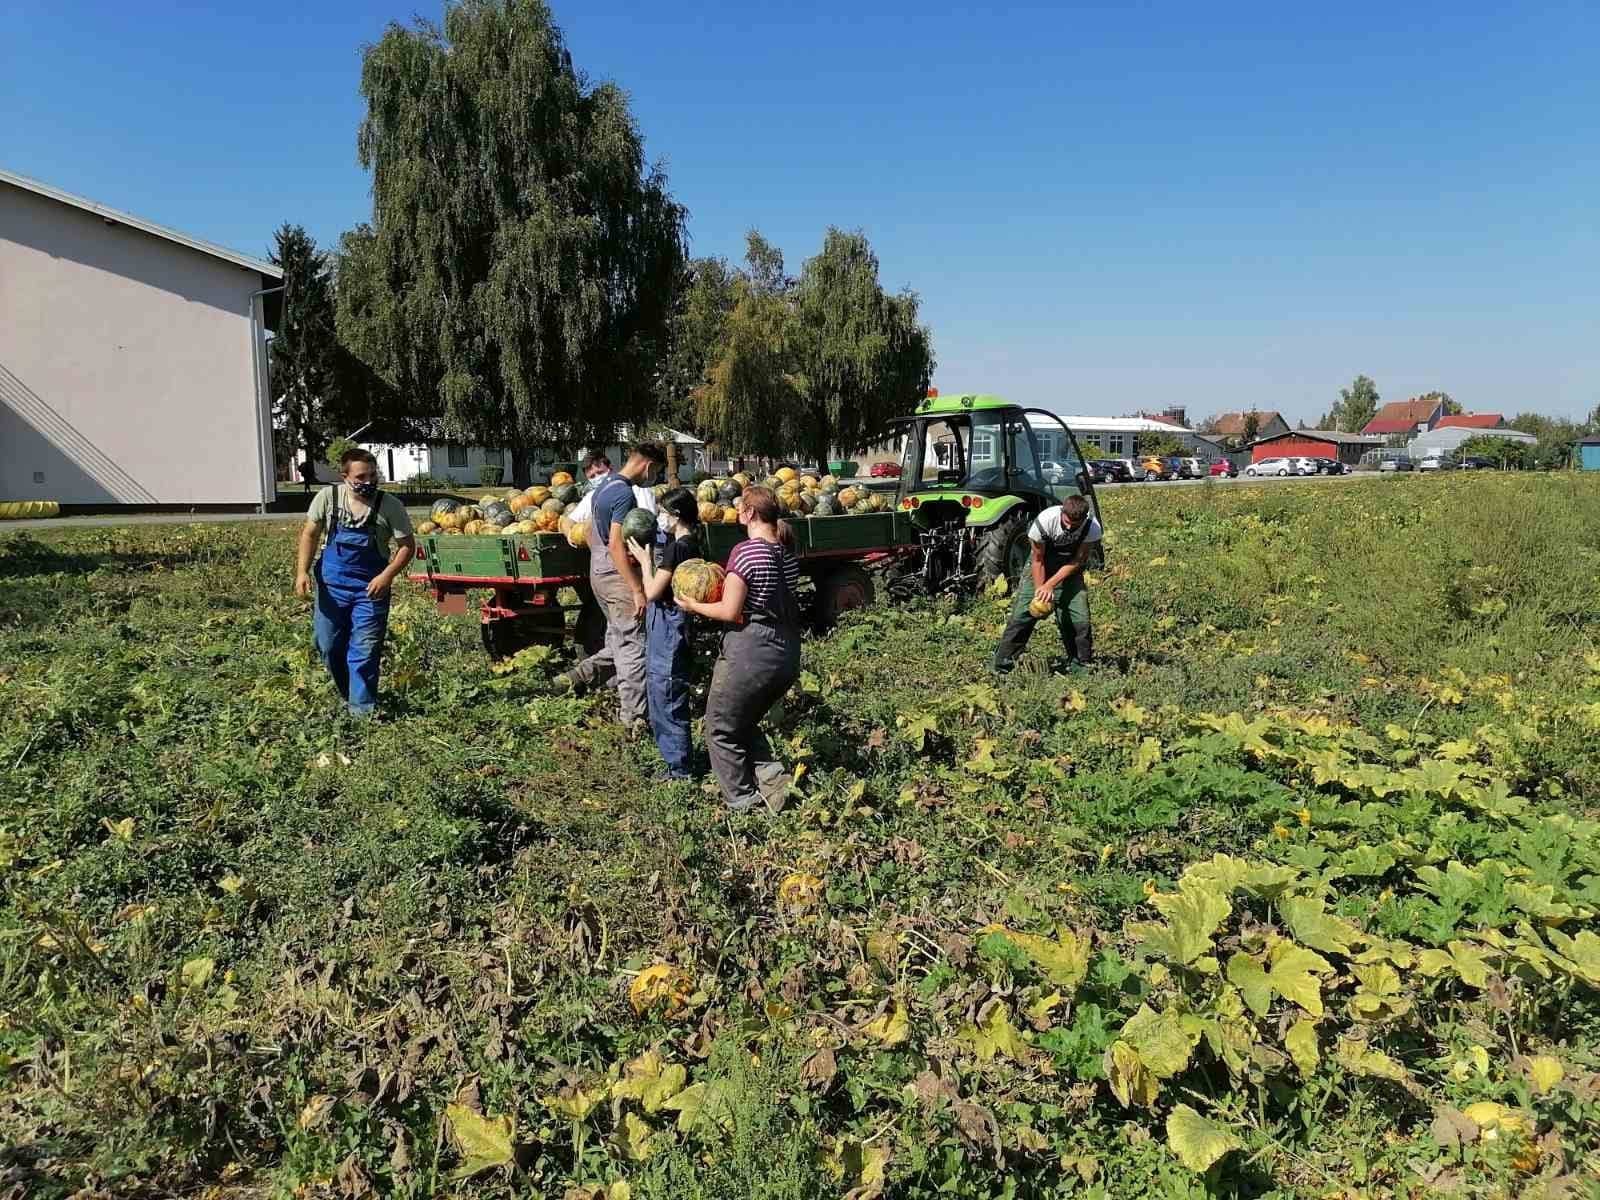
365	490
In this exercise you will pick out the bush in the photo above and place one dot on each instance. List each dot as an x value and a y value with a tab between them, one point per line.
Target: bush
336	450
424	482
489	475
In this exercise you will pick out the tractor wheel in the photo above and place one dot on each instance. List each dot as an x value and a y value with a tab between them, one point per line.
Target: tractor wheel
1003	548
839	591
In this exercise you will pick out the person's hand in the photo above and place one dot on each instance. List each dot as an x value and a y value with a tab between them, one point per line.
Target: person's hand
1045	595
640	553
378	587
638	605
302	584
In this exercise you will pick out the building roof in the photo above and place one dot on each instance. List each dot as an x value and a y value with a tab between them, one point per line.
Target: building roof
1087	424
1231	424
1163	419
116	217
1334	436
1471	421
1402	416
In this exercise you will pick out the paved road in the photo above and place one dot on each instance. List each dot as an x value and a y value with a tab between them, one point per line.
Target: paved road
107	520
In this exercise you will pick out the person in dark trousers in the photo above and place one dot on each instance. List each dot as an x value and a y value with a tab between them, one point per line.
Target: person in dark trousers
1062	539
590	630
354	574
614	576
667	655
760	656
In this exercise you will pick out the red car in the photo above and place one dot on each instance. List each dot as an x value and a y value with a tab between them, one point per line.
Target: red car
885	470
1224	468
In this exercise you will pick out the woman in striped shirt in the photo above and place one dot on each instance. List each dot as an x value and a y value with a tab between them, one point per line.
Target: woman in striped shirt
760	655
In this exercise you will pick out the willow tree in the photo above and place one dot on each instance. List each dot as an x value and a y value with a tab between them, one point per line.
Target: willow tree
518	272
814	363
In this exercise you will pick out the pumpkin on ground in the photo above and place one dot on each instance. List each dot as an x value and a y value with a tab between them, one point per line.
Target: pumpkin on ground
559	478
697	579
639	526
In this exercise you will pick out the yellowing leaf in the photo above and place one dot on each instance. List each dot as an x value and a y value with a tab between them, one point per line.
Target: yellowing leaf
650	1081
1356	1056
1161	1040
484	1142
1074	701
1293	975
1380	995
575	1103
1246	974
1147	755
121	830
1198	1141
1039	1012
635	1138
1131	1081
1127	710
1544	1073
993	1033
1301	1042
1064	962
800	891
1311	924
197	972
699	1102
890	1027
661	984
1495	1118
1194	914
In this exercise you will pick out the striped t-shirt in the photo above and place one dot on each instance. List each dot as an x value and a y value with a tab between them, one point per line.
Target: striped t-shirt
769	572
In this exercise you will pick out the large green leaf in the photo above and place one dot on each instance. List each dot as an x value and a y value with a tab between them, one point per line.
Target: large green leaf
1198	1141
1310	922
1248	975
1064	961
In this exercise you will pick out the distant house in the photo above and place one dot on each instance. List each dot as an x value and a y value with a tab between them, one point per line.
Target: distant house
1233	425
1471	421
1405	417
1314	443
462	465
1447	439
1589	454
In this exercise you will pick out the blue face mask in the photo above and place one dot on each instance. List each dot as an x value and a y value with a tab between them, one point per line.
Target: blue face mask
365	490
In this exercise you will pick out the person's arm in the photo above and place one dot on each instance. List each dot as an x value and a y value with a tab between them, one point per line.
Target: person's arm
1038	566
729	609
302	563
657	579
623	562
405	549
1068	569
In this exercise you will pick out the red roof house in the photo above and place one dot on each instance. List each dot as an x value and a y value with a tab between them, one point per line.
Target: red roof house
1471	421
1232	424
1406	416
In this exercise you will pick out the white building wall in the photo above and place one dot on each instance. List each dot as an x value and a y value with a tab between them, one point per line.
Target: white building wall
126	372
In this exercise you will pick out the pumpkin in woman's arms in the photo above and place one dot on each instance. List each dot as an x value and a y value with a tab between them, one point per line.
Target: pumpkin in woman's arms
697	579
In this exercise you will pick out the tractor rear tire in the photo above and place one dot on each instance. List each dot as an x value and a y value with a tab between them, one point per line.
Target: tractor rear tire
504	637
841	590
997	548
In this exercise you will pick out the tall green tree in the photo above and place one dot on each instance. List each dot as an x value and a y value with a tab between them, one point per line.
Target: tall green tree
814	363
1357	405
320	390
517	276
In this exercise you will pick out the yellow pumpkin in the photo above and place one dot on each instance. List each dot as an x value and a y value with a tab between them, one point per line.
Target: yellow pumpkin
730	516
427	527
785	474
710	512
560	478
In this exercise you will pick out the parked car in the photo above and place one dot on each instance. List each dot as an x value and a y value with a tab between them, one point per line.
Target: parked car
1473	463
1111	470
1271	466
1399	462
1155	467
1303	465
1198	468
1332	466
885	470
1179	467
1433	462
1136	471
1053	472
1223	469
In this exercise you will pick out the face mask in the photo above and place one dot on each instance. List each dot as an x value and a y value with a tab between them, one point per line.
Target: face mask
365	490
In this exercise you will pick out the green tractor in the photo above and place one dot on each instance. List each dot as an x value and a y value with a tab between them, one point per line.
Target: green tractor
975	472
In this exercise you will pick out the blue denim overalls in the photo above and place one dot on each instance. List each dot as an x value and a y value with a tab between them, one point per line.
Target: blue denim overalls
349	625
667	660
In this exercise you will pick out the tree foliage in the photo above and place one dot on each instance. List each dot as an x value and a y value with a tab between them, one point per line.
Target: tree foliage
518	273
808	364
320	390
1164	445
1357	404
1503	452
1451	408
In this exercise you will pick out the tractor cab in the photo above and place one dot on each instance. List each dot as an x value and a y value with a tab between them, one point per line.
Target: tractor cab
974	473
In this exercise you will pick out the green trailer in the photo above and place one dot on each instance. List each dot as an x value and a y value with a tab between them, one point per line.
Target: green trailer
526	574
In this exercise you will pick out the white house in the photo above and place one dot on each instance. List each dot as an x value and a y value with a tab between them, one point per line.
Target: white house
461	464
132	358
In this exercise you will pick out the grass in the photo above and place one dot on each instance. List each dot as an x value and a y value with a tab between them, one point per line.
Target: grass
246	947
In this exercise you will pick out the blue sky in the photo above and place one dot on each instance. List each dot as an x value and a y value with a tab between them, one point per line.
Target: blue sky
1103	207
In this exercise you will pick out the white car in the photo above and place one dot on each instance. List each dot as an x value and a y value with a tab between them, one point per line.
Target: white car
1272	466
1433	462
1305	466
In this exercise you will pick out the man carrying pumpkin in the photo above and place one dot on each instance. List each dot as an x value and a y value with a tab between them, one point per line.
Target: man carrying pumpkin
354	574
1062	538
618	588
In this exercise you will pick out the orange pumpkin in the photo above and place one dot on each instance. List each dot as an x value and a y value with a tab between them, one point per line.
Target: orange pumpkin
697	579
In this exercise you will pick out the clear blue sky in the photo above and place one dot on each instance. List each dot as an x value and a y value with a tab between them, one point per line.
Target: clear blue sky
1102	207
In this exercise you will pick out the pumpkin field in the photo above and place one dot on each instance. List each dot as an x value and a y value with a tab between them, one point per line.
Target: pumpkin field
1293	894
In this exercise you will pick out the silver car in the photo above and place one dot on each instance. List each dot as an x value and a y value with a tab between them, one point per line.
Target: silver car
1272	466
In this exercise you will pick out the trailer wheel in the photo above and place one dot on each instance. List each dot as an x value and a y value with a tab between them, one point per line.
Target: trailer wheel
841	590
1003	548
504	636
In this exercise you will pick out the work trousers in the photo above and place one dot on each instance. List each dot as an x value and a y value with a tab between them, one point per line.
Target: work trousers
1072	619
667	660
349	627
622	656
757	665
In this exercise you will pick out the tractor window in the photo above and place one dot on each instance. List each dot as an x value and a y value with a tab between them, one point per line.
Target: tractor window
1066	483
944	448
1025	471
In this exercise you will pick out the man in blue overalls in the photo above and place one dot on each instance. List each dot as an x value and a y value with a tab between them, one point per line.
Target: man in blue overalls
354	574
